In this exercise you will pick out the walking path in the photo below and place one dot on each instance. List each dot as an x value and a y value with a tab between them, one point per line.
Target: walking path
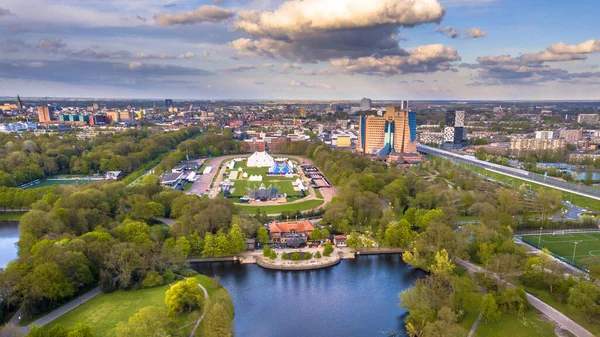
203	311
475	325
555	315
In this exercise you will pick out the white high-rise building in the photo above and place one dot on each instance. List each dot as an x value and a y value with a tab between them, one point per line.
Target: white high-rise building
365	104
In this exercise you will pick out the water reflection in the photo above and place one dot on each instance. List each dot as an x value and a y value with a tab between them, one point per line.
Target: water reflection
9	236
355	298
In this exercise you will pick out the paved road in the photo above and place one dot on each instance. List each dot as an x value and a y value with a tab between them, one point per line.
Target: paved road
555	315
203	311
516	173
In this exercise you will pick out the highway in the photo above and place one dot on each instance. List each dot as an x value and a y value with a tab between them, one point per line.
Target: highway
515	173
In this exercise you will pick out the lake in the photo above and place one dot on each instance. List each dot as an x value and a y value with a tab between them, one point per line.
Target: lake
355	298
9	235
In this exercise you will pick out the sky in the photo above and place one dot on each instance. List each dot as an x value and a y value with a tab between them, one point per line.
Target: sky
301	49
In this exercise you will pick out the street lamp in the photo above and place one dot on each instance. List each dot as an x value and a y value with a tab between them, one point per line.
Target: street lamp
574	249
540	237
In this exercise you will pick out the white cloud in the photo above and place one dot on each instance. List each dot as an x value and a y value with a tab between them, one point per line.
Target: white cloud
475	33
312	85
429	58
448	31
590	46
200	14
135	65
239	68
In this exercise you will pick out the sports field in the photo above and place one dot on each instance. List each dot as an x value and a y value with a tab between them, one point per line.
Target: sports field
563	245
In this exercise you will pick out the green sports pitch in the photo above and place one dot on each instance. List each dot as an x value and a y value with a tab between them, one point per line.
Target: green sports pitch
563	245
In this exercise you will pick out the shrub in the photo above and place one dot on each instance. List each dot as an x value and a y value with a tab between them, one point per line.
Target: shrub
272	255
295	256
285	256
188	272
328	249
152	279
168	276
266	251
307	256
318	255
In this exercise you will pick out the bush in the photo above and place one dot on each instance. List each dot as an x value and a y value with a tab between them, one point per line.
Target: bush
188	272
152	279
107	282
266	251
307	256
272	255
168	276
328	249
295	256
285	256
318	255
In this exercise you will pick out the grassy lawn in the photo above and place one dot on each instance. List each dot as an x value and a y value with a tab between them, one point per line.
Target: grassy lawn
566	309
530	325
8	216
278	209
318	193
45	183
585	202
187	187
104	312
564	245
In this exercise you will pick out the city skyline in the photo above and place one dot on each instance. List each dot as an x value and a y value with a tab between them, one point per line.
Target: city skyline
312	49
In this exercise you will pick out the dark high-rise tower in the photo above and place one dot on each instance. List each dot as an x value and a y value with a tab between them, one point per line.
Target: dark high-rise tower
168	103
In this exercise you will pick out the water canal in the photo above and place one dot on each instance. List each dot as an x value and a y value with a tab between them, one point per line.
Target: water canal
354	298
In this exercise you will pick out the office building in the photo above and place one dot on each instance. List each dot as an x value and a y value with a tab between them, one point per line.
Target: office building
404	105
455	131
589	119
365	104
395	132
544	134
120	116
168	103
44	114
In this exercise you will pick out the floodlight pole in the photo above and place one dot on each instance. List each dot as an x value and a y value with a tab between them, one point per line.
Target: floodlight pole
540	237
574	249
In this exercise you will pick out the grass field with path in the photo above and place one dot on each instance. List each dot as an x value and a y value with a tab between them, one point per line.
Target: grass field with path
104	312
531	325
277	209
563	245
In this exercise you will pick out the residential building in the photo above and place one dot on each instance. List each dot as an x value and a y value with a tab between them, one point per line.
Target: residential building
394	132
590	119
581	156
534	145
365	104
571	136
44	114
544	135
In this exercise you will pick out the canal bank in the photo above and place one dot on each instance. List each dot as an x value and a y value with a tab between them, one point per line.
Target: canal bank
9	236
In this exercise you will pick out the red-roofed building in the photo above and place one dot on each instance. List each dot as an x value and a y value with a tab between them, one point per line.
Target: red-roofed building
280	231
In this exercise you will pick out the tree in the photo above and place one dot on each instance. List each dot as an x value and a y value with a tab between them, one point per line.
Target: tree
295	256
218	322
442	265
148	321
184	295
502	265
354	241
318	255
585	296
81	330
398	234
237	241
316	235
263	235
445	325
209	246
266	251
549	200
328	249
489	308
196	244
222	245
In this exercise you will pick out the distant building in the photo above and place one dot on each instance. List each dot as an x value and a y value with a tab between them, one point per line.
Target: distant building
535	145
365	104
168	104
303	112
455	131
544	135
395	132
120	116
44	114
260	159
590	119
571	136
581	156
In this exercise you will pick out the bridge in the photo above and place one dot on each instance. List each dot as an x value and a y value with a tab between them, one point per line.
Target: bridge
515	173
